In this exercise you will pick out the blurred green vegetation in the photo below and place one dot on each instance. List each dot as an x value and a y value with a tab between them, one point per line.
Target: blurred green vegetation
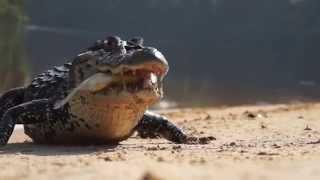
12	8
13	67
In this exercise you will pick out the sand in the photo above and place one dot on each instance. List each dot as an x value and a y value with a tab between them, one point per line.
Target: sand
252	142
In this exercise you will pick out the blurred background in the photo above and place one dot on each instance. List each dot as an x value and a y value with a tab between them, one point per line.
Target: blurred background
221	52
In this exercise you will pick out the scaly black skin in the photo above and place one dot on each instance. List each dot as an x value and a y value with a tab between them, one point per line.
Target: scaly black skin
34	104
154	125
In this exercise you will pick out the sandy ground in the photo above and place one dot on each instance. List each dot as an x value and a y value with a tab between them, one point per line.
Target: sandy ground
252	142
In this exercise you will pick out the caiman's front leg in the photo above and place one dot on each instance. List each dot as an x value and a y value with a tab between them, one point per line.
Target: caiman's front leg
31	112
153	125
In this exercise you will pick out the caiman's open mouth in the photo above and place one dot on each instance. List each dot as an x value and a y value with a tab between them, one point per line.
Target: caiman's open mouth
133	81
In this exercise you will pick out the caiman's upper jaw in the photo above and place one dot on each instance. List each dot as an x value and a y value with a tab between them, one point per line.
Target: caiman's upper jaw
148	59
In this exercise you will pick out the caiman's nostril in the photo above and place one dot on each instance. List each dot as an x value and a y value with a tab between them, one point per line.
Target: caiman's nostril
137	41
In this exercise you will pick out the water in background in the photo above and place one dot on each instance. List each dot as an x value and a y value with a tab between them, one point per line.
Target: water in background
221	52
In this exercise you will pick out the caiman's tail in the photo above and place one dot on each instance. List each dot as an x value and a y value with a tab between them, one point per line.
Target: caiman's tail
10	99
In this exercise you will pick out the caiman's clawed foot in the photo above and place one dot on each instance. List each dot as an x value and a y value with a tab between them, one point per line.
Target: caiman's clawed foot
153	125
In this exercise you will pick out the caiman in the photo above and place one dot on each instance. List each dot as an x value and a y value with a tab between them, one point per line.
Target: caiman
101	96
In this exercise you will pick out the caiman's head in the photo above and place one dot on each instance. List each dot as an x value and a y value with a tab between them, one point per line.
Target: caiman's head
120	70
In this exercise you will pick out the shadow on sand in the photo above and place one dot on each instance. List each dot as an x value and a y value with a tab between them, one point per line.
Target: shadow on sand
30	148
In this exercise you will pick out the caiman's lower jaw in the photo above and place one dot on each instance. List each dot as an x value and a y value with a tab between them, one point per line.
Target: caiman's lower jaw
135	82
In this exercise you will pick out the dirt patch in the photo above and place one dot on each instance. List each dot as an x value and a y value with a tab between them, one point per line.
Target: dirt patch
247	142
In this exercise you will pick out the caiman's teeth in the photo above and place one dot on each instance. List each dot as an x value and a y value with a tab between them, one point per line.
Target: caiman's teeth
153	78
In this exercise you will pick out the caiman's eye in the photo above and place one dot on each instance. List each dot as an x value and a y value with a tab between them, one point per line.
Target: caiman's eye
113	41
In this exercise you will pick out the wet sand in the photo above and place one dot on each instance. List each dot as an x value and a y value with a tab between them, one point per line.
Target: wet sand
252	142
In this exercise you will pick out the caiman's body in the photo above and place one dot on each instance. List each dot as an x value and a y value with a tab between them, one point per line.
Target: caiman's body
101	96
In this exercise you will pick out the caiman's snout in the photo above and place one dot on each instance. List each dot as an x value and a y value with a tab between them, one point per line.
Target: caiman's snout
149	59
